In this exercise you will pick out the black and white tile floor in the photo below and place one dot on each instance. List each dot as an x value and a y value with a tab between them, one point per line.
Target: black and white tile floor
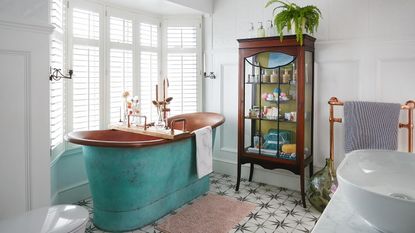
278	209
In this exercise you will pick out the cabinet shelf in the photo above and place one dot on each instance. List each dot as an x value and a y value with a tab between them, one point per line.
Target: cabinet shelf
267	119
280	101
268	83
271	153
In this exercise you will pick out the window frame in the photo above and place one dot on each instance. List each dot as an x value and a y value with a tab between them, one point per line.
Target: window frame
110	11
157	50
183	21
100	43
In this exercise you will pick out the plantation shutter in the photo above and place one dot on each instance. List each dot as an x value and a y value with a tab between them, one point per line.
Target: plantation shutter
121	30
121	64
86	88
149	79
182	68
182	37
86	66
149	68
56	91
85	24
148	35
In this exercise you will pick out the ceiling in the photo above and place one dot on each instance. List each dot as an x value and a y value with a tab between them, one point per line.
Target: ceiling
162	7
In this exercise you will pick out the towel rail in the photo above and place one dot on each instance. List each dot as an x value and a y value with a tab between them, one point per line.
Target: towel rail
409	106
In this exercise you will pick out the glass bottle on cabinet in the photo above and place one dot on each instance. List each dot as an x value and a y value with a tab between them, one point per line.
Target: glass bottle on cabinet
275	117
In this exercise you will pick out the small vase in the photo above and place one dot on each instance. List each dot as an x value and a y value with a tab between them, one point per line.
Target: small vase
322	186
160	123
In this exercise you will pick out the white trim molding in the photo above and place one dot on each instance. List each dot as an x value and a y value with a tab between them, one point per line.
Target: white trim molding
24	26
26	55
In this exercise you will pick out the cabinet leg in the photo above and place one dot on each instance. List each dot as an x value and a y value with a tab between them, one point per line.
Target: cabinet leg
238	176
311	169
251	172
302	189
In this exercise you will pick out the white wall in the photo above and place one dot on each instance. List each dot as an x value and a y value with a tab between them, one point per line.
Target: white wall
205	6
364	51
24	104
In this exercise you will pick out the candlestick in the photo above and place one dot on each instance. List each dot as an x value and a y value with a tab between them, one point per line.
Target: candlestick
120	114
164	89
157	92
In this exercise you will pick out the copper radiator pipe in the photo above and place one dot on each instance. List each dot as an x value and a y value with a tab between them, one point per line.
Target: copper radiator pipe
409	105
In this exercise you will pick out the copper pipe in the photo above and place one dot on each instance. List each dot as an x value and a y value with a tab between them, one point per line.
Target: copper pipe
174	121
409	105
139	116
333	101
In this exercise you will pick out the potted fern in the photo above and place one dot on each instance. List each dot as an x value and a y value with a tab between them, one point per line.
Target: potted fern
291	16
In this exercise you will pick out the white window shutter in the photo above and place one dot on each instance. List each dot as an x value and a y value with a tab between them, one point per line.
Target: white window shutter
148	35
86	67
120	64
56	95
86	111
56	92
121	30
182	73
182	37
149	69
121	79
182	69
148	80
57	15
85	24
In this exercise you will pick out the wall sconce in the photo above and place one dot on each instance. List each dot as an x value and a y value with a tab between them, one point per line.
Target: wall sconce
56	74
211	75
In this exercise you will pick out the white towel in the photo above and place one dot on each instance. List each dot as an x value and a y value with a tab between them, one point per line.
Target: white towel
204	161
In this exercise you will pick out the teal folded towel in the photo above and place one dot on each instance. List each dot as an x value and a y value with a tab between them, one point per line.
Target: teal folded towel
371	125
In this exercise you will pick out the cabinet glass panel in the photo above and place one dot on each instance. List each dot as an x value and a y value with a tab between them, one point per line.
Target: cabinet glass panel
308	105
270	104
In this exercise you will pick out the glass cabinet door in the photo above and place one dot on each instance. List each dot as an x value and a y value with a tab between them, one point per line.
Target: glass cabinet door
308	104
271	105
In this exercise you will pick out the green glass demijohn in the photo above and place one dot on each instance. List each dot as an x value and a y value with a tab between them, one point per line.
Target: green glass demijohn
322	186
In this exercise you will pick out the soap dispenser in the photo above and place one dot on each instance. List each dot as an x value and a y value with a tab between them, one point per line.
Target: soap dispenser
261	30
271	29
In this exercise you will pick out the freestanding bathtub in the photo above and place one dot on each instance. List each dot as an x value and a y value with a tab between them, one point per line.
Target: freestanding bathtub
137	179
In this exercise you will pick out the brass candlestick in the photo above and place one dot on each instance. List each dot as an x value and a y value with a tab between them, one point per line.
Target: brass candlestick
162	104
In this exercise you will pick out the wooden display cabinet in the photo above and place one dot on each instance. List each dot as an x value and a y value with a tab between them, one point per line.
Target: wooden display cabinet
275	117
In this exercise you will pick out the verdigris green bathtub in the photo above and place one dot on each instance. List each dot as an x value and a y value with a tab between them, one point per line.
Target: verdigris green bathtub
136	179
133	187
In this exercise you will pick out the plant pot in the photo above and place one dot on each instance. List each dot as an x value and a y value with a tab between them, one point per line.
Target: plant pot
322	186
302	27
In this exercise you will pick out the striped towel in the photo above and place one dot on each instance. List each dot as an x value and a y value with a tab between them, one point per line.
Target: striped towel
370	125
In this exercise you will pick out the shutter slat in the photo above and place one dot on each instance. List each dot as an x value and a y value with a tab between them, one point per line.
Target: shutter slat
121	79
85	24
85	87
121	30
148	35
56	88
182	71
148	81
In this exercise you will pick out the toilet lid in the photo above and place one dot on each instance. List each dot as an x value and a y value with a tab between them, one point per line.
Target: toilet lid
54	219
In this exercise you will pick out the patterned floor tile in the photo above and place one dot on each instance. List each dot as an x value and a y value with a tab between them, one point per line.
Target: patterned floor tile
278	210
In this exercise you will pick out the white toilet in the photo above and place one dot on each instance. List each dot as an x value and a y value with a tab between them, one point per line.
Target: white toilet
54	219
